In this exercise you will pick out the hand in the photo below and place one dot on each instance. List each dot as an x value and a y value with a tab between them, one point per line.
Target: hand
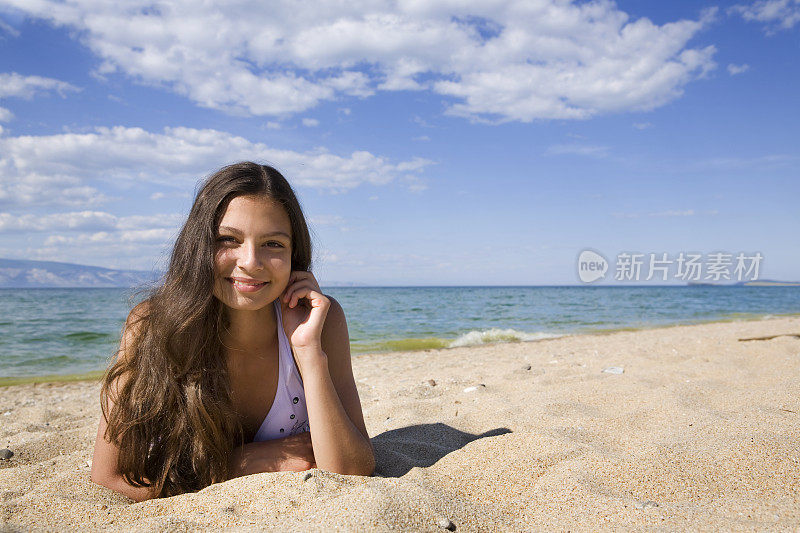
293	454
304	308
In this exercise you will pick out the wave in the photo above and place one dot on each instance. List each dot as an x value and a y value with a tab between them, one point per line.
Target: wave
494	335
88	336
471	338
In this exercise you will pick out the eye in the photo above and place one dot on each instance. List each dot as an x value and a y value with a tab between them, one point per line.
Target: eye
274	244
225	239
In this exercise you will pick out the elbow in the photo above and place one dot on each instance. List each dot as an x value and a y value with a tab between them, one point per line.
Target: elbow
369	463
369	467
105	479
369	470
118	484
364	467
98	478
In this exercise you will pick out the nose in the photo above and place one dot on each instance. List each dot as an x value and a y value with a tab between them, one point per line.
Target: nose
249	258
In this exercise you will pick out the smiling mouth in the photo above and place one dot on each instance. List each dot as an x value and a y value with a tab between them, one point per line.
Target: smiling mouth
246	286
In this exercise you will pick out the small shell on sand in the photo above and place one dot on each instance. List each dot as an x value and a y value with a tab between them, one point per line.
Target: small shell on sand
6	454
645	505
614	370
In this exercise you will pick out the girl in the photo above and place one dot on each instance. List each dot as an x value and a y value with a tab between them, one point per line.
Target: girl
237	363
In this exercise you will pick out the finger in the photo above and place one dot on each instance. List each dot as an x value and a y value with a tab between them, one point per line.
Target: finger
301	275
298	294
292	287
315	298
298	291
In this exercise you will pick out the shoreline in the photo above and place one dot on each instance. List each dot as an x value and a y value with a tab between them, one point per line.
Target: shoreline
96	375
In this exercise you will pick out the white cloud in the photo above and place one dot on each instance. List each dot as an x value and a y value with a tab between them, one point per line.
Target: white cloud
733	70
775	14
93	221
160	195
15	85
577	149
498	60
310	122
157	236
108	251
93	237
5	114
5	27
668	213
327	220
673	213
762	163
642	125
76	165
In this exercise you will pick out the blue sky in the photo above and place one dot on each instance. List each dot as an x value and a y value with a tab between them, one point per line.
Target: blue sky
429	142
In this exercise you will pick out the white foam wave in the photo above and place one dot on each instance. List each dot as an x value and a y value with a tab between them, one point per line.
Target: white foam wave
472	338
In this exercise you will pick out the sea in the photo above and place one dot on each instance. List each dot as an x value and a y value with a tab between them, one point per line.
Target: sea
65	332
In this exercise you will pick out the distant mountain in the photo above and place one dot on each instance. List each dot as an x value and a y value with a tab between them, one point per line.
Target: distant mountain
752	283
343	284
770	283
19	274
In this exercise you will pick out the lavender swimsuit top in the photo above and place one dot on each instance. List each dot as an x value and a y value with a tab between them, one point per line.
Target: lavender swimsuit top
288	414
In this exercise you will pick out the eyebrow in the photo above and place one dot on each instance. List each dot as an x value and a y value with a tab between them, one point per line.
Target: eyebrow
270	234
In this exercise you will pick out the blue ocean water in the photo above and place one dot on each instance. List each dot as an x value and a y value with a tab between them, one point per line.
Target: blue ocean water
69	331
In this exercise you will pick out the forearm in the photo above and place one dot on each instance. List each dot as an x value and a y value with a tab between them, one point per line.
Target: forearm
338	445
117	483
292	453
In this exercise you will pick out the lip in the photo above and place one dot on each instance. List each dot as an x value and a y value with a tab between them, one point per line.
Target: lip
246	284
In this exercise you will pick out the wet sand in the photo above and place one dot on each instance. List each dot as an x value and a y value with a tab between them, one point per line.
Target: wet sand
700	431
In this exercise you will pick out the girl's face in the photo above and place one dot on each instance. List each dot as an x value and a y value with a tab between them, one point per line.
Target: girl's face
253	253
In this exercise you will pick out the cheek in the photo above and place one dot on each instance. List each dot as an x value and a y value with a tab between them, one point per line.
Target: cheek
222	260
281	264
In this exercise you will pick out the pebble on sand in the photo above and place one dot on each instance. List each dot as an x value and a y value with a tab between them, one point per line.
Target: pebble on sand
432	382
445	523
6	454
614	370
473	389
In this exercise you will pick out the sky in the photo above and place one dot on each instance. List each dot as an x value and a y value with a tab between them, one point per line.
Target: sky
430	142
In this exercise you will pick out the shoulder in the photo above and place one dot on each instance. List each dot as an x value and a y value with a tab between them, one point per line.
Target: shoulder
134	326
334	331
138	313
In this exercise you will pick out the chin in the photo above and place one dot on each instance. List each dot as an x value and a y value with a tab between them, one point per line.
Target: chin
245	302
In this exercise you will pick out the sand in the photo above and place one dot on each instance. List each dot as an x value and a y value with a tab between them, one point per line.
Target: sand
701	431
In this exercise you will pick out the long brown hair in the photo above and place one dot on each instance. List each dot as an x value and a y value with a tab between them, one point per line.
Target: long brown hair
173	419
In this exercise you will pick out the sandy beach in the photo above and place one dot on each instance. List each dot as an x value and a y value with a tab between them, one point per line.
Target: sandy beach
699	431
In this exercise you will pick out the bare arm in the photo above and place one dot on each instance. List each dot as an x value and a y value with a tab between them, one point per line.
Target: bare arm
104	462
104	468
340	440
292	453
